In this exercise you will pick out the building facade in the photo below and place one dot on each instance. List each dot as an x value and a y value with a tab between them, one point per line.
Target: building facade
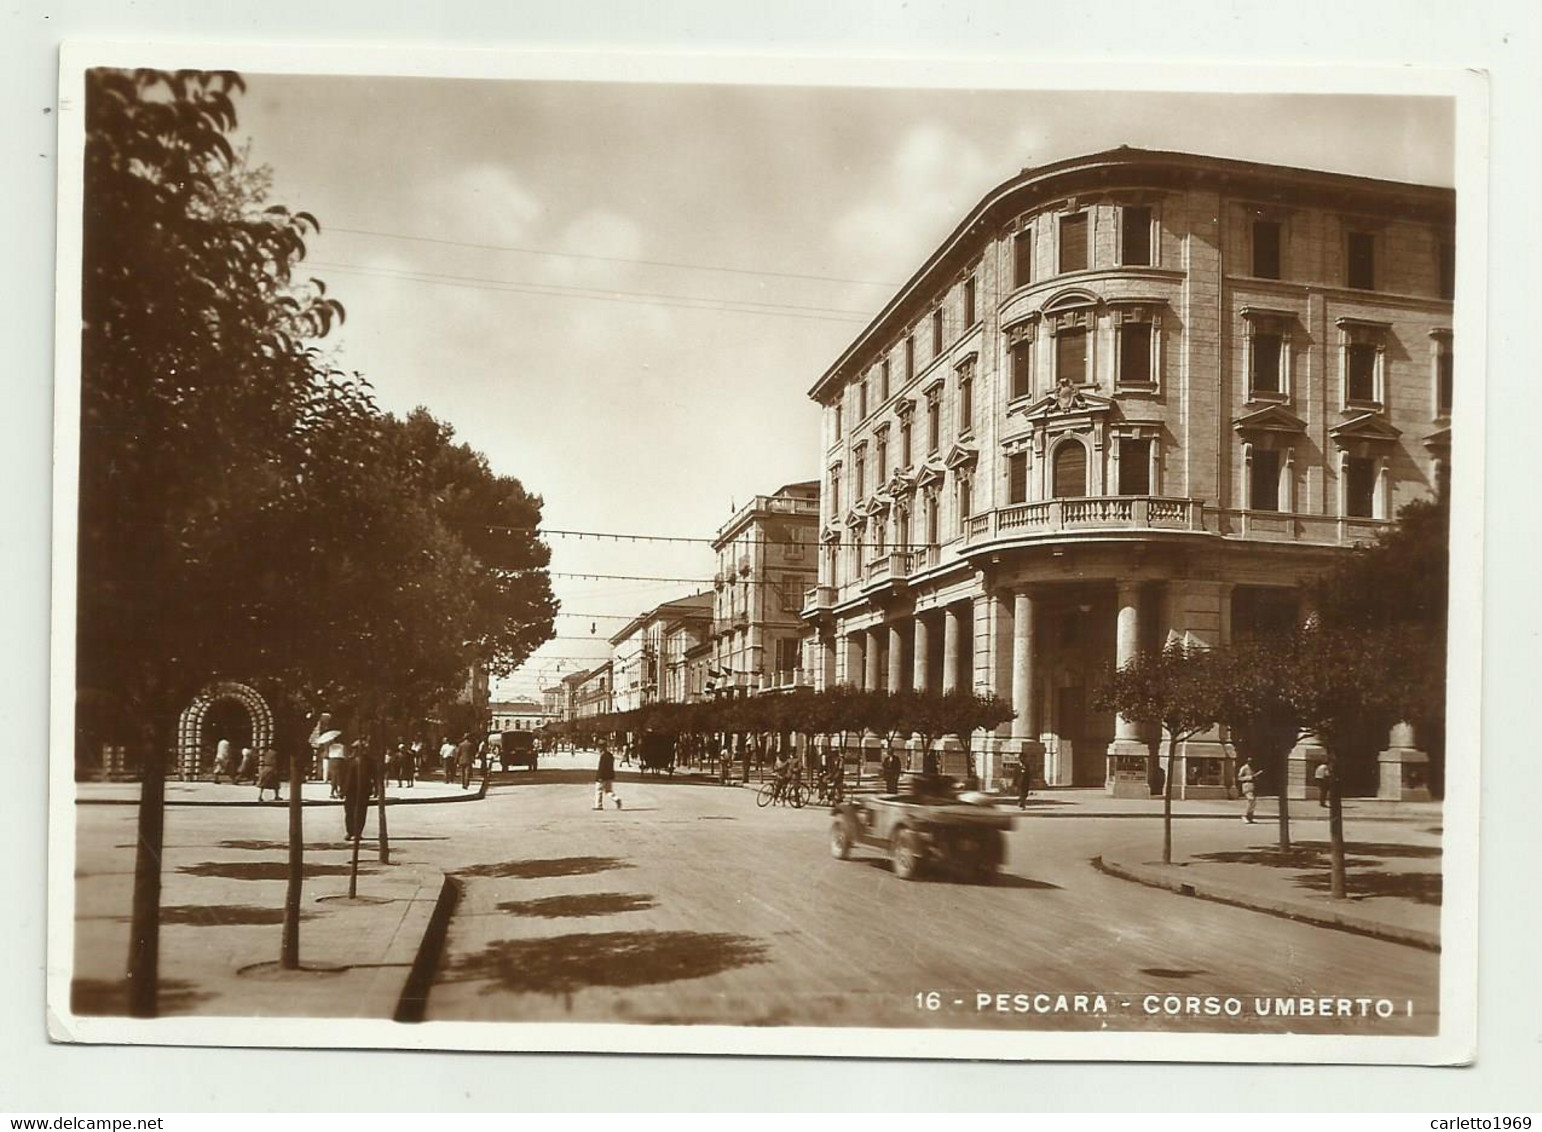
767	560
594	694
520	715
1134	397
640	658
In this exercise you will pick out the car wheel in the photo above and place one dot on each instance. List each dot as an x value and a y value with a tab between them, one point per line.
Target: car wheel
906	854
840	839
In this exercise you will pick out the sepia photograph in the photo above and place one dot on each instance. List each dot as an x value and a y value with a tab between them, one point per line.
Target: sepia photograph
618	554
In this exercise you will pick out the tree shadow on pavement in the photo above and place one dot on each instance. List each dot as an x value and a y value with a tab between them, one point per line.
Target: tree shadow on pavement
1421	888
581	904
533	870
999	880
1363	880
106	997
222	915
1317	854
310	846
263	870
565	964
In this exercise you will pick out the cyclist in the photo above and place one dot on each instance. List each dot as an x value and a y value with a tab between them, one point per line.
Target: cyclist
782	772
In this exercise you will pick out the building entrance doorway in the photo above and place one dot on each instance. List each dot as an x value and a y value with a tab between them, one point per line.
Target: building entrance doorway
1087	761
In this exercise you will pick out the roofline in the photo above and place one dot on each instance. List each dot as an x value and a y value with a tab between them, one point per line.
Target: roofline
1059	176
674	605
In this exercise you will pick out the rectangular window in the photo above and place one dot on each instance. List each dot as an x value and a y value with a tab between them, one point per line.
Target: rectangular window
1264	493
1135	239
1073	242
1022	258
936	332
1017	477
1135	353
1266	249
965	404
1447	271
1135	467
933	424
905	443
859	476
1071	357
1022	368
881	459
1266	363
883	380
838	422
910	356
1361	250
965	505
862	400
971	316
1445	386
835	493
1362	372
1360	487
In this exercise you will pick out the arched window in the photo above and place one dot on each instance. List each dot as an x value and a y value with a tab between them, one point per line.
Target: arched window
1070	470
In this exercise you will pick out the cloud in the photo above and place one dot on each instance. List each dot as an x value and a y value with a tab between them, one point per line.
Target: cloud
930	180
483	203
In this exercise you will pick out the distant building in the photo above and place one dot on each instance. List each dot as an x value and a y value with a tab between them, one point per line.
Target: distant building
639	656
519	715
1134	397
767	558
593	694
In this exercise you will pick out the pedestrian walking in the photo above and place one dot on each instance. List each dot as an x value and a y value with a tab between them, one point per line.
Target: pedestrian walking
222	761
605	780
247	771
414	761
891	772
354	783
447	759
1024	783
267	774
337	753
465	758
404	768
1247	781
1322	776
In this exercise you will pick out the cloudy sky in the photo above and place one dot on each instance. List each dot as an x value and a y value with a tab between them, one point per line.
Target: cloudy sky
622	293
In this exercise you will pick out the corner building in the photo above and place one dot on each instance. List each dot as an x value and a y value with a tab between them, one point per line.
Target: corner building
1134	397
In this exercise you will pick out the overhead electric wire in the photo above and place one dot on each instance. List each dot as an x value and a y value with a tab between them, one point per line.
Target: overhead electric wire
622	536
606	258
599	294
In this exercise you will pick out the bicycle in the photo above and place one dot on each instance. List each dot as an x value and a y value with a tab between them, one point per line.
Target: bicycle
788	792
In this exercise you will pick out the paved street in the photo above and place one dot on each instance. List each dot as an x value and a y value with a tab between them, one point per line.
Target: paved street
692	905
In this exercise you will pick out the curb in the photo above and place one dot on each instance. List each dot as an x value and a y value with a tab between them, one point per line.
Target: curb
1154	877
412	1004
304	804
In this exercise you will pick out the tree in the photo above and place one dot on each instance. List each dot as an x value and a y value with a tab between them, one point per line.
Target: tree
1402	581
1175	688
967	712
1351	686
1255	680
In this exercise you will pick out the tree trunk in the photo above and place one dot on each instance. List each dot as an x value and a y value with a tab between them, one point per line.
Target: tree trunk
145	928
1167	801
1282	766
289	956
385	843
1335	832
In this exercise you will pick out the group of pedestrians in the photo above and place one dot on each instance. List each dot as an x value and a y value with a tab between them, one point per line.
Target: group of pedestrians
258	769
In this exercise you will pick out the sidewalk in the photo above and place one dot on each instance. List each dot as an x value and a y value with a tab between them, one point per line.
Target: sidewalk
224	882
1090	802
1392	872
228	794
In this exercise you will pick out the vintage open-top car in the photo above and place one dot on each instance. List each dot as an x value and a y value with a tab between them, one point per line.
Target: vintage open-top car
928	825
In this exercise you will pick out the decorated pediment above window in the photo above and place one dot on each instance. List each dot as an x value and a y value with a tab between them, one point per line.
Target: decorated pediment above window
930	475
961	456
1068	400
1024	329
904	407
878	505
1362	330
900	484
881	432
1273	419
1438	443
855	517
1268	318
1071	309
965	365
829	535
1366	427
1145	311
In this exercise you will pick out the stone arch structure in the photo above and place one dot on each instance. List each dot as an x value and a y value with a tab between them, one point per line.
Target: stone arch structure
190	725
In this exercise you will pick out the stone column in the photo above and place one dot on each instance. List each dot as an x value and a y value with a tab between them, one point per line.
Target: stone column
952	635
896	658
1126	648
871	673
1022	665
922	654
853	673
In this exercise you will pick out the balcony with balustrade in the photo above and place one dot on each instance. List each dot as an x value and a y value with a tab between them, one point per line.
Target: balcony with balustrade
1086	513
